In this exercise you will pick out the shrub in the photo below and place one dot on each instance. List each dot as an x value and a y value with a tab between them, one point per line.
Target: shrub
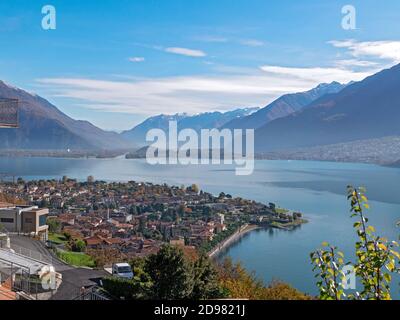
240	284
375	259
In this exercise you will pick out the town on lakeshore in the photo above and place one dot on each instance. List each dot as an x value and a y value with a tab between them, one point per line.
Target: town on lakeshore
118	221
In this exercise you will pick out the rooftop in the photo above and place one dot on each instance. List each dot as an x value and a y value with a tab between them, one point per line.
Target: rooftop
4	205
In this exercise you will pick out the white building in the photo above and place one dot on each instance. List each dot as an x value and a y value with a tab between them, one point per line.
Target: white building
24	219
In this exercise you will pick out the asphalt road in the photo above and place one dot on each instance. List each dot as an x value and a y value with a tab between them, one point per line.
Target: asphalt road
73	278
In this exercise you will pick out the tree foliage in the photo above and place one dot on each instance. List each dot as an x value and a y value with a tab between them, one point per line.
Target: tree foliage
206	284
54	225
376	259
171	273
167	275
237	283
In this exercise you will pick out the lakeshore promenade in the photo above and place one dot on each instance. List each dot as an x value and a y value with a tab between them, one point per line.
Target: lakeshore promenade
230	240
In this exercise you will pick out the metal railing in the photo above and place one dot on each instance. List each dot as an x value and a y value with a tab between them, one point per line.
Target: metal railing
93	294
32	254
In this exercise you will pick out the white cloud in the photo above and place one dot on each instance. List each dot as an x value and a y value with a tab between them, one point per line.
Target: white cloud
186	52
252	43
318	74
244	42
384	50
192	94
355	63
211	39
136	59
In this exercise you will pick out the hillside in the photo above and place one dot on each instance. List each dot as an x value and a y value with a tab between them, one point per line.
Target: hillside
364	110
207	120
43	126
384	151
284	106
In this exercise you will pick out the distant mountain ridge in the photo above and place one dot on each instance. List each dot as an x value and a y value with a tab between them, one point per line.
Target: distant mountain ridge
328	115
395	164
284	106
208	120
43	126
383	151
363	110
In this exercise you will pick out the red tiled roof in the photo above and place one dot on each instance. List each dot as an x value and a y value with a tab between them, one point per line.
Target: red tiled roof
113	241
92	241
6	205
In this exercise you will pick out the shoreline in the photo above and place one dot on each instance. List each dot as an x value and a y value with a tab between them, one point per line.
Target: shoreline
96	155
228	241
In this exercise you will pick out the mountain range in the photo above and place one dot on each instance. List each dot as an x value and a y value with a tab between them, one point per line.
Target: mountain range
362	110
208	120
335	116
43	126
284	106
247	118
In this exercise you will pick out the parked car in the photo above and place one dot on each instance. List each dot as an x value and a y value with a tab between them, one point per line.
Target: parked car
122	270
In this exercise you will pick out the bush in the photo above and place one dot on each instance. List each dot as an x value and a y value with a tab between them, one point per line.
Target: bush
375	259
239	284
169	274
54	225
117	287
78	246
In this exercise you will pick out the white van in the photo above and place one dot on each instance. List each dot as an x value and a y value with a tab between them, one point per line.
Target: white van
122	270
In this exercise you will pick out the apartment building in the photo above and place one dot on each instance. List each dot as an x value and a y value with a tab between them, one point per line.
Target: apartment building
24	219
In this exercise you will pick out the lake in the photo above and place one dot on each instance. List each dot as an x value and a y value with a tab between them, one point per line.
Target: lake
317	189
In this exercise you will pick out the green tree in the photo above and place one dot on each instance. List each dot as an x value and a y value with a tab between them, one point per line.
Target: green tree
238	283
67	236
133	289
54	225
78	245
375	259
142	224
206	284
171	274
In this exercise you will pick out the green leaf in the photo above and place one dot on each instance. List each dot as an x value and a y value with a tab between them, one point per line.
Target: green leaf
387	277
390	266
357	224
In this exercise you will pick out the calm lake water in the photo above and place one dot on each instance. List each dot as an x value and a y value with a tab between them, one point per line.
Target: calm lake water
318	189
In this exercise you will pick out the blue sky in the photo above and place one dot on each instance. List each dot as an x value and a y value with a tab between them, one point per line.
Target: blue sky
115	62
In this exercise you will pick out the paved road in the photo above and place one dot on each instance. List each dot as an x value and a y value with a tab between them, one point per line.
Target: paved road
37	251
73	278
76	278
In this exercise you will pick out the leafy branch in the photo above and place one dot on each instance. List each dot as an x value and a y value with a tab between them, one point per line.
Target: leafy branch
375	262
